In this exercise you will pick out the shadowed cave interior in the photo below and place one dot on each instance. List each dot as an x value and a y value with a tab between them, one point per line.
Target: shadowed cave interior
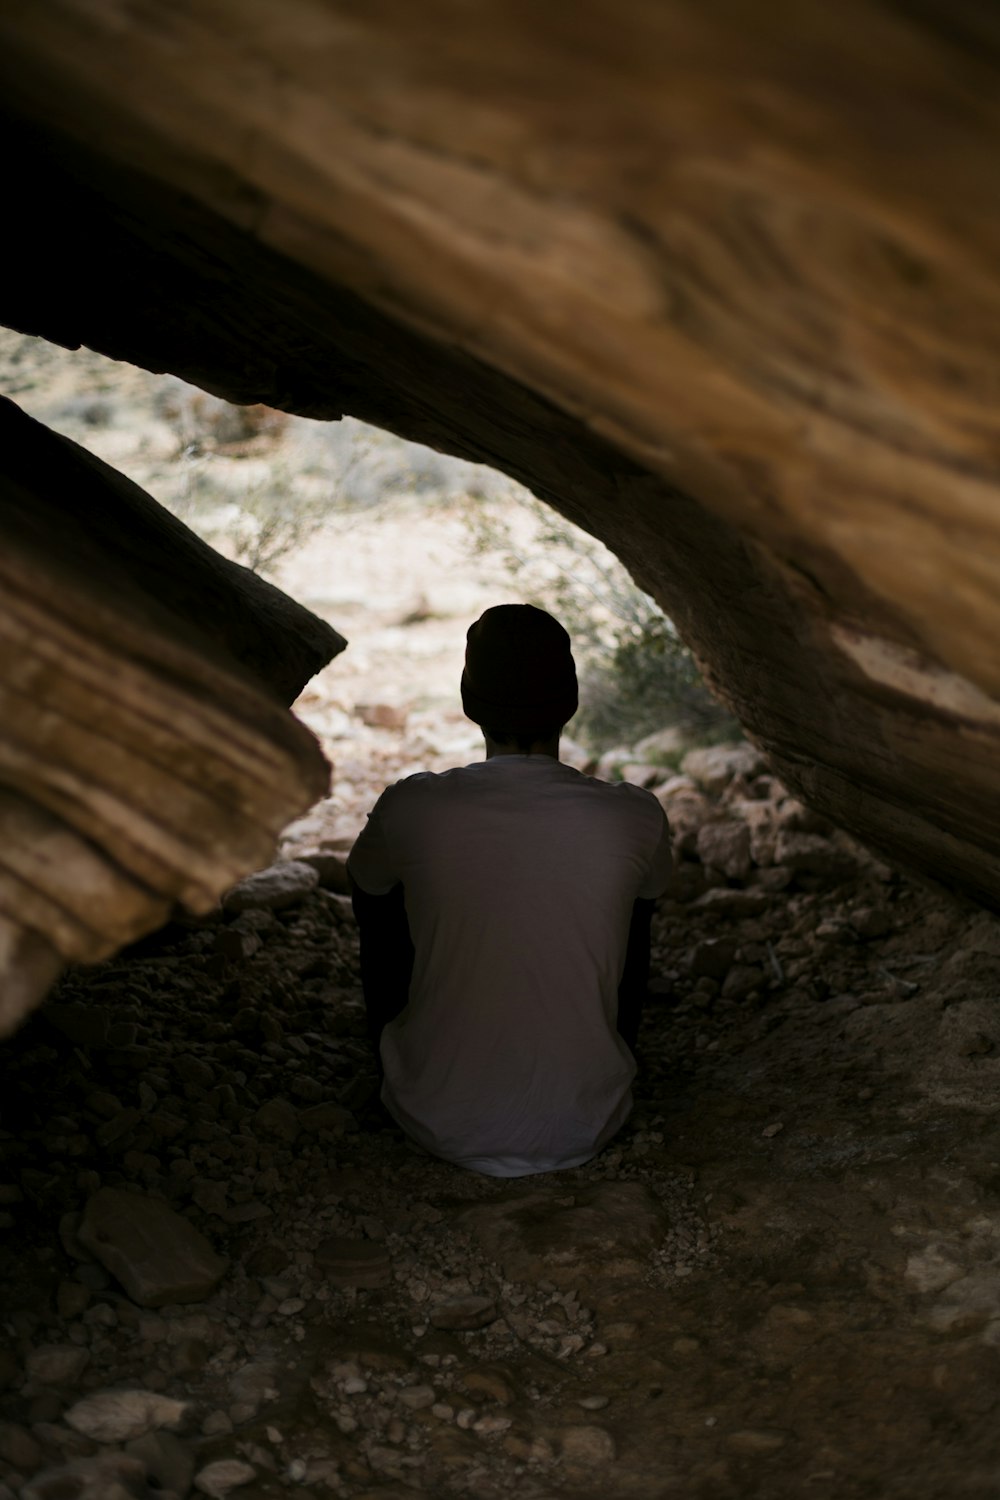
796	1214
692	282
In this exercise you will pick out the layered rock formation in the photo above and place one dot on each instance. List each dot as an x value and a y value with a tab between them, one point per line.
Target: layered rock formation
146	758
720	286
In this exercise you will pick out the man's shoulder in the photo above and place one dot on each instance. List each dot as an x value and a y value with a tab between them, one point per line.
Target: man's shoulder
625	792
420	784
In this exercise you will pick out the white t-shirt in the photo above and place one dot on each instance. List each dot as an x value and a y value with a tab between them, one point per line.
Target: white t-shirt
519	877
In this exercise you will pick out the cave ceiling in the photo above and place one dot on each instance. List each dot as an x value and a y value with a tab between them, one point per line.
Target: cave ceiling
719	283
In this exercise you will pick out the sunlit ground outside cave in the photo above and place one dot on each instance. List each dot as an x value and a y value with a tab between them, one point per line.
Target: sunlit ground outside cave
780	1279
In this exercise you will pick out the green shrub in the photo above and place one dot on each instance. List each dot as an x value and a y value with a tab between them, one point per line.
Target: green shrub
636	675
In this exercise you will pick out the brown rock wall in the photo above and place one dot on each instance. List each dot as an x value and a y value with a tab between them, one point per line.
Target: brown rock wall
720	286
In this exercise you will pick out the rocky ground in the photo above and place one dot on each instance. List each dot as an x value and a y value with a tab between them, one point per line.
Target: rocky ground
222	1274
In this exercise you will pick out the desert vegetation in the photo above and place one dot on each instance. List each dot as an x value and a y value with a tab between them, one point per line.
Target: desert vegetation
265	488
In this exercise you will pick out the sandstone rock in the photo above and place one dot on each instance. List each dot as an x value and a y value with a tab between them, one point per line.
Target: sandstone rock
118	1416
209	1196
638	773
276	887
869	921
105	1476
489	1383
688	881
609	763
330	868
725	845
57	1364
712	959
587	1445
677	786
752	1440
327	1116
19	1448
168	1461
932	1269
382	715
255	1383
970	1029
813	855
278	1118
338	907
236	947
715	766
463	1314
549	1233
351	1262
795	817
220	1478
686	809
726	902
742	980
118	1127
155	1253
417	1397
655	748
968	1304
759	818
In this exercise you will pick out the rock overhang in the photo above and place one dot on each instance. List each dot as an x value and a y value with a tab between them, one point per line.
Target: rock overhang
702	291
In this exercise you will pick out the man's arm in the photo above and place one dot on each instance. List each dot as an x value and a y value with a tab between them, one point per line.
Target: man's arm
635	975
386	956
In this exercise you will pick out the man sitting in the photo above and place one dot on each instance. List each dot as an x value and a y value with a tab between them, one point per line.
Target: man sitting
504	913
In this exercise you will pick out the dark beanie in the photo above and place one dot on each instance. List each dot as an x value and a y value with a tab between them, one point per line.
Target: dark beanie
519	672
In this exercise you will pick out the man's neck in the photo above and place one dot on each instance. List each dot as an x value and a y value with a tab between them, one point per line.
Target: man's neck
548	747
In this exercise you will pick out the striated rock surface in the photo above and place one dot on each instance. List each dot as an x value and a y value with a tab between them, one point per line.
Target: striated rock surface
685	272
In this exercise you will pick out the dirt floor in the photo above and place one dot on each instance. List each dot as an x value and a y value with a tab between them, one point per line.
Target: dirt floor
781	1280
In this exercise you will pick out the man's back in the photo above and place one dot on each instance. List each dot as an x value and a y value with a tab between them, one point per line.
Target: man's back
520	877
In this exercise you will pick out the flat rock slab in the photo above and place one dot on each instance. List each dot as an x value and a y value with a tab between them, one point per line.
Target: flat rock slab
274	888
549	1233
464	1313
97	1478
120	1416
155	1253
358	1263
220	1478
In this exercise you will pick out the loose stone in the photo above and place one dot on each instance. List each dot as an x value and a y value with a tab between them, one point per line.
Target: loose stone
416	1397
18	1447
57	1364
463	1313
755	1440
217	1479
279	886
105	1476
491	1423
168	1461
155	1253
357	1263
117	1416
587	1445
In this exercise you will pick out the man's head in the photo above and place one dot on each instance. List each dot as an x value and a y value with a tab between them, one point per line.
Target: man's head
519	682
